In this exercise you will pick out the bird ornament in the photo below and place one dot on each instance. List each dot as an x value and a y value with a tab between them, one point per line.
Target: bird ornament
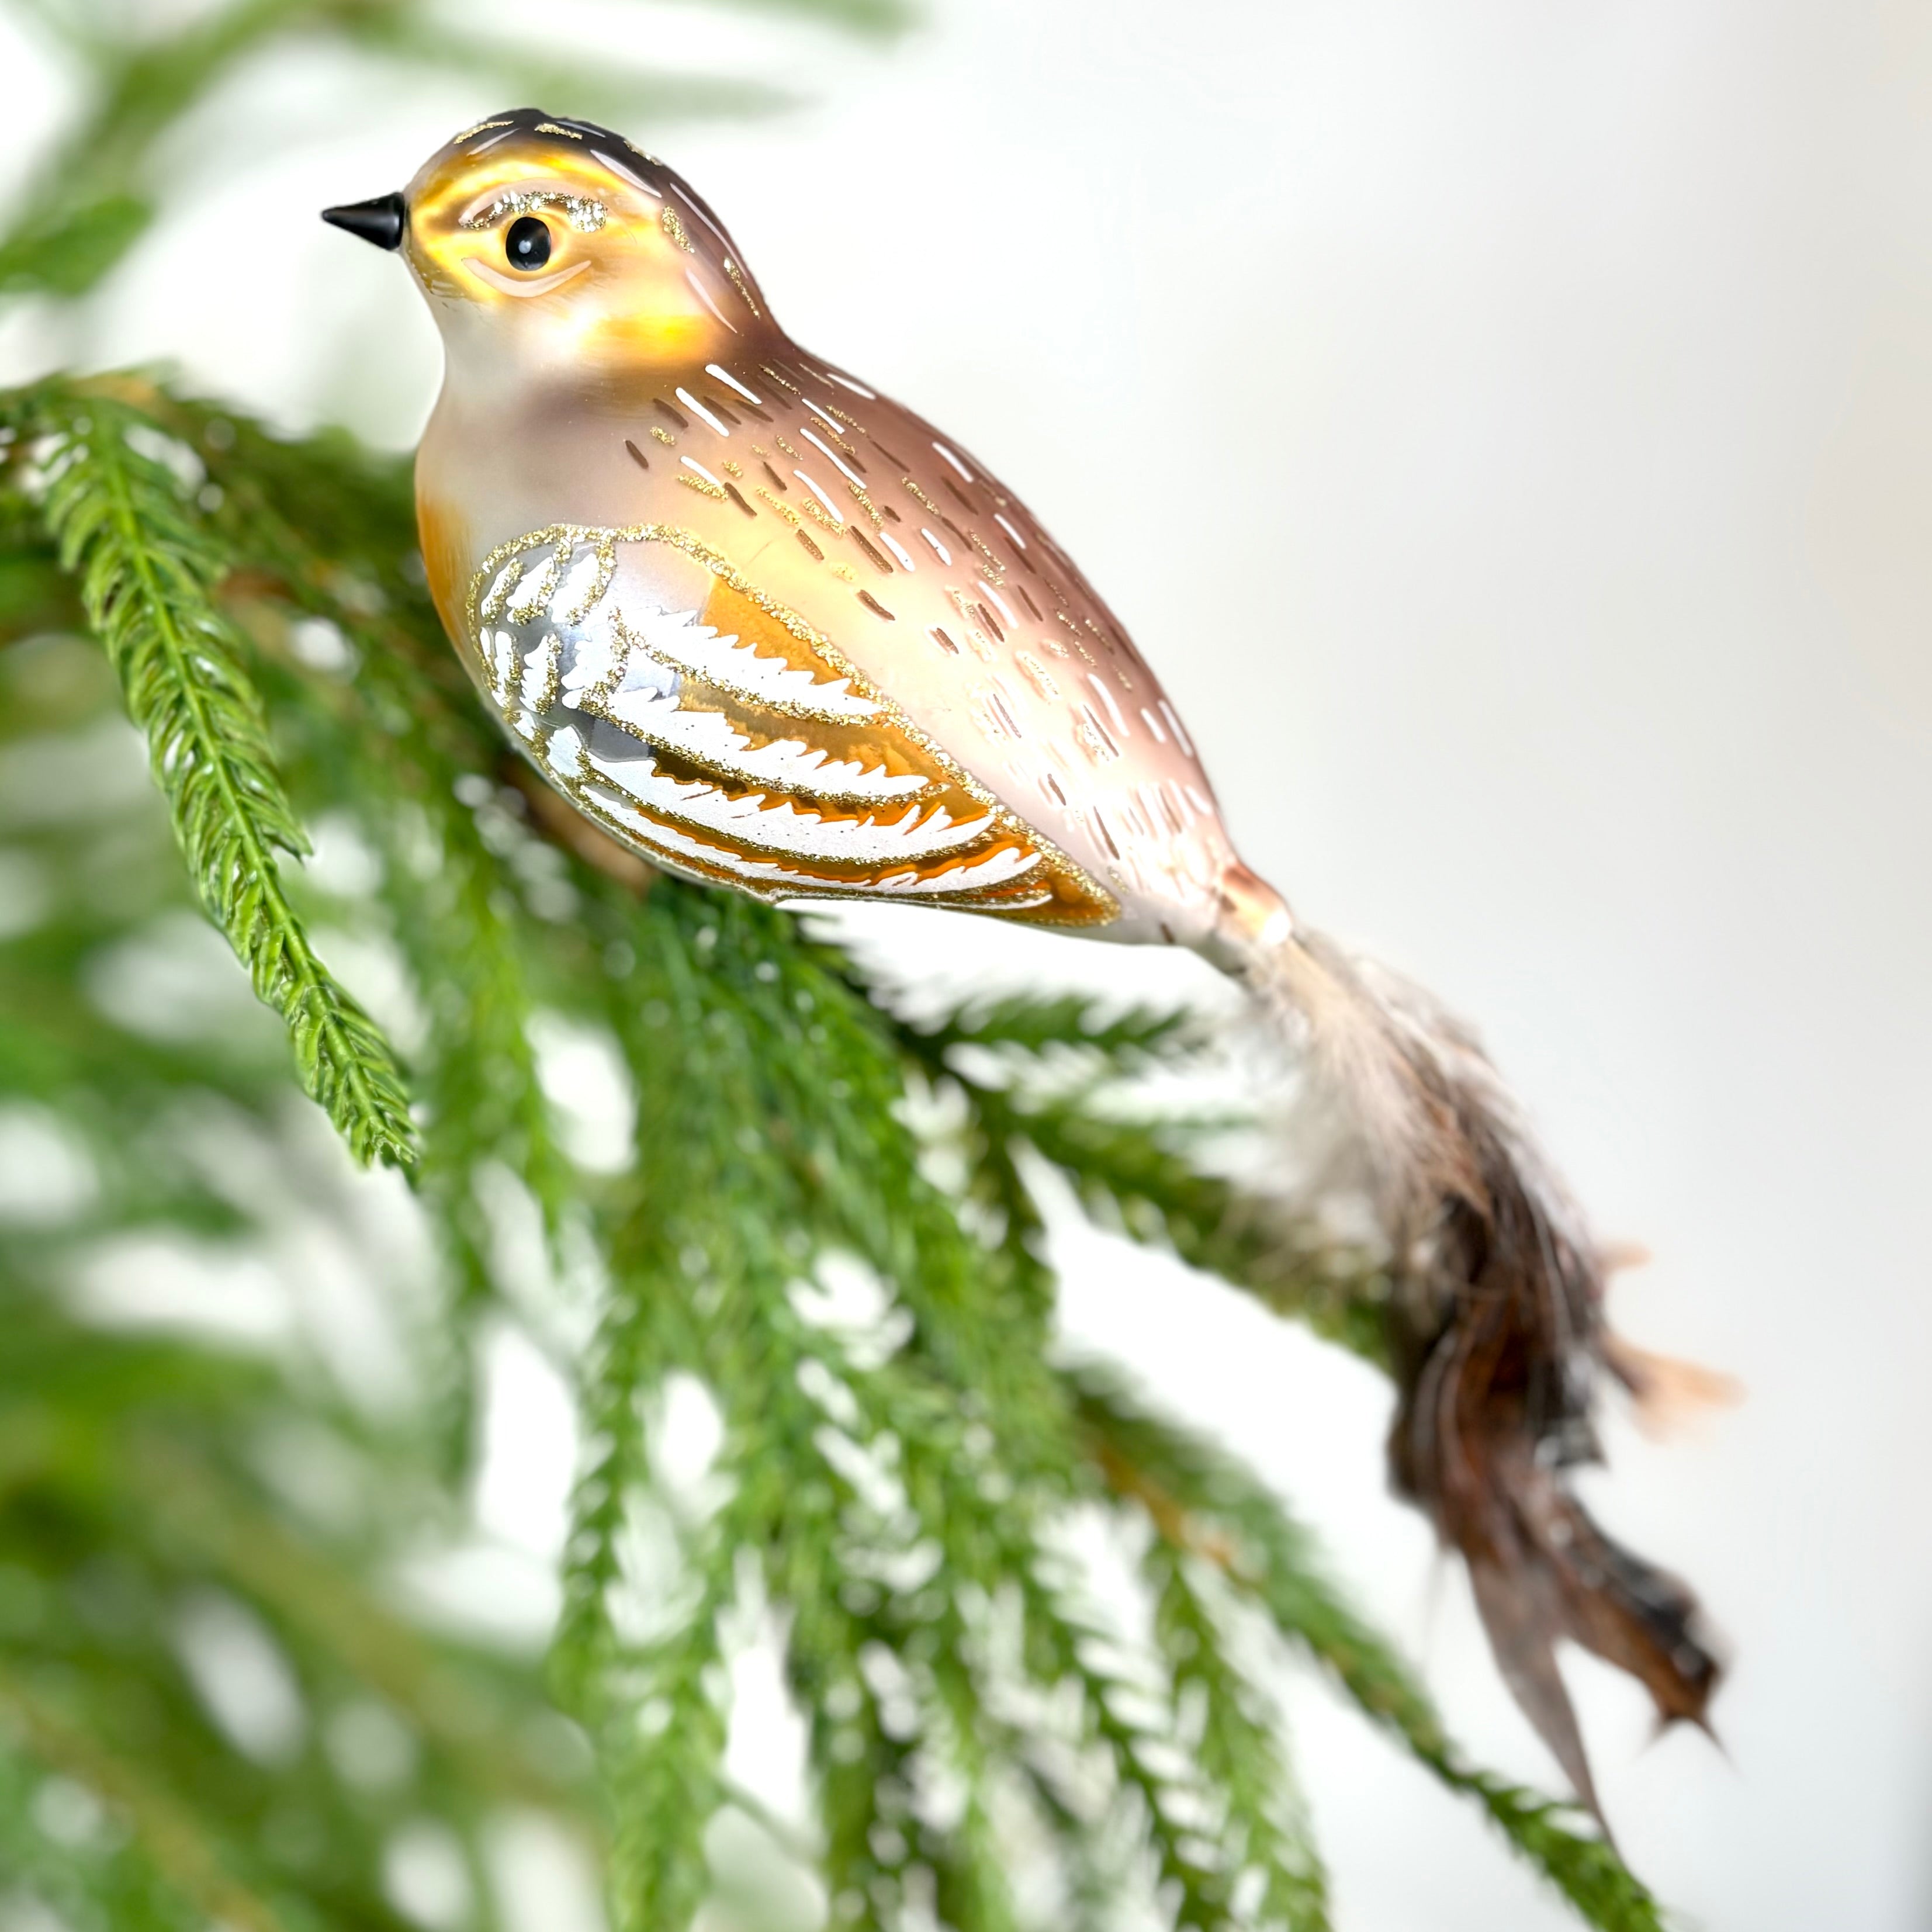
775	632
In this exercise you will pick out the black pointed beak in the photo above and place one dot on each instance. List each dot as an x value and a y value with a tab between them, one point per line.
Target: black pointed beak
381	221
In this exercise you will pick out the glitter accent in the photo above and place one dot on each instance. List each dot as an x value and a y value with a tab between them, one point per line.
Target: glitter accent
550	667
995	569
743	287
584	212
669	221
1037	674
551	127
820	516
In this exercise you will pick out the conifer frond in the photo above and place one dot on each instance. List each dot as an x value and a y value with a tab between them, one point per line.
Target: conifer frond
618	94
147	577
96	197
1205	1505
1234	1733
822	1233
181	1873
1031	1025
1129	1174
134	1507
390	738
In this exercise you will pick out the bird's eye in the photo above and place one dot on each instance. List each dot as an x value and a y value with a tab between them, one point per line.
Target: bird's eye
527	244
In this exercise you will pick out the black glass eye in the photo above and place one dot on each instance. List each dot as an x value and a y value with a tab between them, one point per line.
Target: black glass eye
527	244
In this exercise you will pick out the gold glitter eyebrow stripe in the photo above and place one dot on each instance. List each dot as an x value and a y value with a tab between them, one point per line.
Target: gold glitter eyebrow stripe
584	212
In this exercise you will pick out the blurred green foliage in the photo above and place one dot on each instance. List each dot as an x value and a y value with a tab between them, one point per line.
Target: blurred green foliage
100	183
220	1704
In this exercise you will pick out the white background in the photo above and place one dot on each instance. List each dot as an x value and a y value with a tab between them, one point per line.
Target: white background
1587	547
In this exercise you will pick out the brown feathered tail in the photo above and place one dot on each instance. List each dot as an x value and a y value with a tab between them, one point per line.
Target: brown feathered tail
1496	1327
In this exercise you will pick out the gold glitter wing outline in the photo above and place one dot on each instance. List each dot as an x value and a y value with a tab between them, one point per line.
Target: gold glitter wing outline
603	541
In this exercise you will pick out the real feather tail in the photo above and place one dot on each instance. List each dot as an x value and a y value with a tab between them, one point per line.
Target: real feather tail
1495	1325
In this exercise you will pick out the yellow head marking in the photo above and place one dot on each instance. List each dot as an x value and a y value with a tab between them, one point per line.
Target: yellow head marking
549	243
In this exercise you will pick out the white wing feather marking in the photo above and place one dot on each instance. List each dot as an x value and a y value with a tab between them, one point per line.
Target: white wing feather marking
710	738
1008	862
679	640
785	828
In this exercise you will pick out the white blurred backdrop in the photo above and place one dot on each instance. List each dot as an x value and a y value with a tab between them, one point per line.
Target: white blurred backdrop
1590	680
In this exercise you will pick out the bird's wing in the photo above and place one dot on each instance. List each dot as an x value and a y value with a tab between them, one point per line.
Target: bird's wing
721	736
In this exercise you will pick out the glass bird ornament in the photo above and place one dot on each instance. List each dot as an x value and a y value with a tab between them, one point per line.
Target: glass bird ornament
777	633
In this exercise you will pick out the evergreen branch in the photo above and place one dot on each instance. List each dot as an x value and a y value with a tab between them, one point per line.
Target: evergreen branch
167	1831
1037	1026
1134	1724
322	531
881	18
94	197
333	1614
1264	1832
611	92
1127	1175
118	1890
893	1491
147	579
123	1496
1204	1503
662	1746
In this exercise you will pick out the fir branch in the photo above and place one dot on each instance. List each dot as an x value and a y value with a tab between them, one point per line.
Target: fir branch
1204	1504
1131	1174
894	1493
1127	1174
323	532
882	18
1133	1722
169	1834
611	91
148	577
1125	1039
95	196
328	1612
1264	1832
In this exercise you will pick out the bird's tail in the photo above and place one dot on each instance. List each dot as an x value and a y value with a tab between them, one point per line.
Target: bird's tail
1496	1323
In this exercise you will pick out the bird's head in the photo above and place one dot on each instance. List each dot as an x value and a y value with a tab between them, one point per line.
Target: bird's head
545	244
